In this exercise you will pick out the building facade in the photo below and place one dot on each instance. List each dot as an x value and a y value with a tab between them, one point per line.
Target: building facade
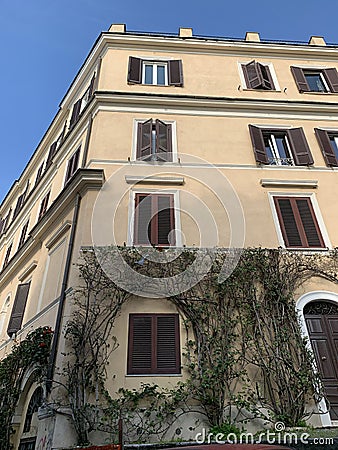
225	142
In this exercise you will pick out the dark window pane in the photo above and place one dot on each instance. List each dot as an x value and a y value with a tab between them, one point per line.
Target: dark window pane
333	142
315	82
161	75
148	74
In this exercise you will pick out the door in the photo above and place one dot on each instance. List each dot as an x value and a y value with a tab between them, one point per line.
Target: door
322	323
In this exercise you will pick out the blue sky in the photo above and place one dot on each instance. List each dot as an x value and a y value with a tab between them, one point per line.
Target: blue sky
44	42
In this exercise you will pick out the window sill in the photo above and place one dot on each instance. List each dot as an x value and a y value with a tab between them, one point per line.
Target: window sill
312	250
143	375
260	90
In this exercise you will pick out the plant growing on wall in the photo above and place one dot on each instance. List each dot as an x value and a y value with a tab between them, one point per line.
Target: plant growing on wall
31	352
244	351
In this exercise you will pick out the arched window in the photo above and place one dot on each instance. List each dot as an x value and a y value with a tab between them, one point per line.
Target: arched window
34	404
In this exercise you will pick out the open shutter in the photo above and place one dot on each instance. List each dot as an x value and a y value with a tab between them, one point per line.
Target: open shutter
75	113
140	348
309	223
331	77
6	221
300	149
135	70
265	75
23	235
325	145
91	87
258	144
52	152
251	75
167	347
175	73
143	150
164	220
73	164
18	310
163	141
300	79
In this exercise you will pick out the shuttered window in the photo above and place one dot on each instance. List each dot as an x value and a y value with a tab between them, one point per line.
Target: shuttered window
20	202
154	344
298	222
161	73
44	205
72	166
257	76
154	220
7	256
329	145
315	80
4	223
18	310
23	235
154	141
280	147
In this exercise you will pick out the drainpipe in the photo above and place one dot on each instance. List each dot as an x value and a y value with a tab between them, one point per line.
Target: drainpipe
57	332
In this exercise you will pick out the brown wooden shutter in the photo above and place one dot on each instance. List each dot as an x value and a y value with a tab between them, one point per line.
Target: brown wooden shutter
75	113
6	221
140	345
288	222
2	222
167	346
326	147
309	223
300	79
163	220
143	150
135	70
298	222
23	235
73	164
51	153
251	75
44	205
266	77
91	87
300	149
163	141
331	77
143	222
18	309
7	256
258	144
175	73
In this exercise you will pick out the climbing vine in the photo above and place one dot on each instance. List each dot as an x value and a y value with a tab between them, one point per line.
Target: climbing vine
244	354
31	352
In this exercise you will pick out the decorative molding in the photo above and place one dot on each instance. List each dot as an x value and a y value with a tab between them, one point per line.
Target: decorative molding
58	234
28	270
268	182
134	179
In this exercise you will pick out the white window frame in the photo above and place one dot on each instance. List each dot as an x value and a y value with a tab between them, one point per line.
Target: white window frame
275	151
173	143
269	65
154	65
318	215
131	213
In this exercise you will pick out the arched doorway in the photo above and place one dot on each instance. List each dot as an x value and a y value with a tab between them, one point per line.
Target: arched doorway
321	318
29	432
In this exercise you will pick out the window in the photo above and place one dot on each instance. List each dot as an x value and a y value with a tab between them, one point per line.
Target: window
328	141
154	344
315	80
54	148
257	76
33	406
80	104
23	235
20	202
44	205
4	223
160	73
280	147
298	222
39	173
18	310
73	164
154	220
7	256
154	141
